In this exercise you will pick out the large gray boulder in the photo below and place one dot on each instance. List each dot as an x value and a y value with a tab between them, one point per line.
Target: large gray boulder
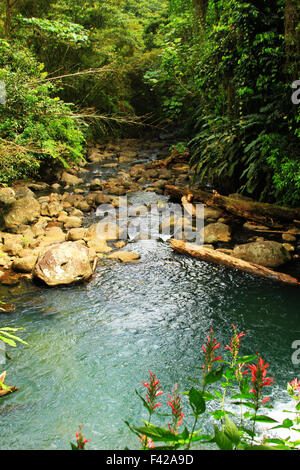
266	253
22	212
64	263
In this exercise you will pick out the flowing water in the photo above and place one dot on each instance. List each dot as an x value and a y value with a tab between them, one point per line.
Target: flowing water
91	345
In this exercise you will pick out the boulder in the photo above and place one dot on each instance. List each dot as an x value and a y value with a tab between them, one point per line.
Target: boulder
70	180
23	211
72	222
76	234
7	196
64	263
24	265
104	231
174	222
216	232
52	235
12	244
99	246
54	209
267	253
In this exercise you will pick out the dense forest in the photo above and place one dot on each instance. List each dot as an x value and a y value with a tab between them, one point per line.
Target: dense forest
223	71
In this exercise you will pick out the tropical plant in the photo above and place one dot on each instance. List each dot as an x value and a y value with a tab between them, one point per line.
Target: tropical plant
232	392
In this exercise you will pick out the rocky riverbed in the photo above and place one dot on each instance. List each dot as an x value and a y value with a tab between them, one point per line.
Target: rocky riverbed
50	232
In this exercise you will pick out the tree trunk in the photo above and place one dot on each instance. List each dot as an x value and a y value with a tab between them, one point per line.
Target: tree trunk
292	35
201	9
212	256
8	15
261	212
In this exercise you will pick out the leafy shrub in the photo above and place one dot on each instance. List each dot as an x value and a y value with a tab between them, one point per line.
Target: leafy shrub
35	126
235	417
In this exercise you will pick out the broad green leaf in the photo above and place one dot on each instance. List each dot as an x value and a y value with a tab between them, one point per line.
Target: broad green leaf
222	441
232	431
263	419
213	376
243	359
197	401
287	423
157	433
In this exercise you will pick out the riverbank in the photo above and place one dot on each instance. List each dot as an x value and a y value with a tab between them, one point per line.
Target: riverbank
38	215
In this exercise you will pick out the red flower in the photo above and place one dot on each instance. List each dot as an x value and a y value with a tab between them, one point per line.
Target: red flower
81	441
259	380
146	441
209	351
295	384
177	413
235	343
153	392
293	389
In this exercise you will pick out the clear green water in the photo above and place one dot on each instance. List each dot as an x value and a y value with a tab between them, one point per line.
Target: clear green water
91	345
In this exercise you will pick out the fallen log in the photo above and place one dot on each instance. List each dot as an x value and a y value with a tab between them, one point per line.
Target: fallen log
212	256
175	156
262	212
177	193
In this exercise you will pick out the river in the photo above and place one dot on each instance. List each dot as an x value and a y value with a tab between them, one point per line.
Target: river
91	345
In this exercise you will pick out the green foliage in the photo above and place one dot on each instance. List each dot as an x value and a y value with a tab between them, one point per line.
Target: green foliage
227	75
7	336
232	422
36	126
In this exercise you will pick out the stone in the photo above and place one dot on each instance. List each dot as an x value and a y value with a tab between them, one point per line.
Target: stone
76	234
96	184
52	235
289	237
267	253
82	206
7	196
104	231
124	256
24	265
120	244
54	208
23	211
216	232
70	180
12	244
76	213
290	248
72	222
100	246
174	222
22	191
63	264
9	278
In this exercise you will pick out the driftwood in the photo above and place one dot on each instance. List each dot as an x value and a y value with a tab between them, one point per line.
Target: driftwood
264	213
212	256
175	156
